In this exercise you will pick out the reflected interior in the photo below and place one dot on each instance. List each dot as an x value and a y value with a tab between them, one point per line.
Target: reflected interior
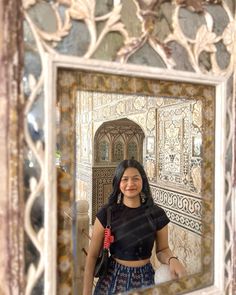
103	119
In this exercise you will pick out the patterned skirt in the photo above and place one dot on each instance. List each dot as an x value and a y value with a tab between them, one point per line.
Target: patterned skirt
122	278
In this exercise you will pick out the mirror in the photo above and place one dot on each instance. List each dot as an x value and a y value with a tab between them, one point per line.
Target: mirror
100	113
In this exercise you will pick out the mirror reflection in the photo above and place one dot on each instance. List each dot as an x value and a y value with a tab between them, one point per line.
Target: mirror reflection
163	133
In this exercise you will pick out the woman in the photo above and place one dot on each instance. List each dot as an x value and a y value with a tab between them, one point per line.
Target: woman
136	223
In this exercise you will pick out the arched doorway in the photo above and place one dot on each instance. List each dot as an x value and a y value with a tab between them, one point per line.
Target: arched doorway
114	141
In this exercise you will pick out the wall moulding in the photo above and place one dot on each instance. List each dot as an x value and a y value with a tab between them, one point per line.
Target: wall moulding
159	83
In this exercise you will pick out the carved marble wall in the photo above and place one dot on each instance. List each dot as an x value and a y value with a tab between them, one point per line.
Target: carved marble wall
188	246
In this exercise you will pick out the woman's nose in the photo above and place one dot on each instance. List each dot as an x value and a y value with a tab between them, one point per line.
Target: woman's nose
131	181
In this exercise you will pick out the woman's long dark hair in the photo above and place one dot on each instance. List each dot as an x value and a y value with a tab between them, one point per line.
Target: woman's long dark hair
120	169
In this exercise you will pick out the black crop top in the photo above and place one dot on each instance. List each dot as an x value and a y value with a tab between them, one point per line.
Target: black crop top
134	233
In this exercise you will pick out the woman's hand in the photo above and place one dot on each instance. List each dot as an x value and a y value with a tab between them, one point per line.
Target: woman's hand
165	255
177	269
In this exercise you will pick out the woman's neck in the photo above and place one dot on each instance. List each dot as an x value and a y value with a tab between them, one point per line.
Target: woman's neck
132	203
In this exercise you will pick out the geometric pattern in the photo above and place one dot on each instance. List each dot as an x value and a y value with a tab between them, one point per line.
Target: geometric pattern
185	221
101	188
183	210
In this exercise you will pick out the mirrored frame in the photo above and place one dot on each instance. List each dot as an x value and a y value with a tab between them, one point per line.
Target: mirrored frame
65	77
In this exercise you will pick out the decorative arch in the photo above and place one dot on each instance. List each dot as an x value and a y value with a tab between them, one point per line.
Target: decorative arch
119	139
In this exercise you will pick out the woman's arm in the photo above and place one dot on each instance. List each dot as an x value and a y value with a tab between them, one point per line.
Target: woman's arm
94	250
164	254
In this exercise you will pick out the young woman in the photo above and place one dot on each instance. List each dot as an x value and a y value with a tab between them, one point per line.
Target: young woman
136	223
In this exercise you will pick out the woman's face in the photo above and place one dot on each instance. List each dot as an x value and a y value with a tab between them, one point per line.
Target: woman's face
131	183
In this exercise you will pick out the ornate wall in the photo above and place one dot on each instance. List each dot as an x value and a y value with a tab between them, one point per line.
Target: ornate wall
196	36
171	153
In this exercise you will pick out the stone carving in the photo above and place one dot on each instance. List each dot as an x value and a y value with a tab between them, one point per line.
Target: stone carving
177	138
183	210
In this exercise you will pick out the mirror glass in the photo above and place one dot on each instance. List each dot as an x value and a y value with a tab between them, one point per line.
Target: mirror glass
104	118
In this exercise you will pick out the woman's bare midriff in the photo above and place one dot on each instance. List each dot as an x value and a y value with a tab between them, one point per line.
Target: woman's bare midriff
133	263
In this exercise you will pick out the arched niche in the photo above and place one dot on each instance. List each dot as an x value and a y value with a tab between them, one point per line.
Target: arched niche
117	140
113	142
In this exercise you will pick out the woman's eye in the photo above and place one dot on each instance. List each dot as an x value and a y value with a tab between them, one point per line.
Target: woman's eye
124	179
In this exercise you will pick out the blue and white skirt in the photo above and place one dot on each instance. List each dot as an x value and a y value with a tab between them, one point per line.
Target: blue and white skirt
122	278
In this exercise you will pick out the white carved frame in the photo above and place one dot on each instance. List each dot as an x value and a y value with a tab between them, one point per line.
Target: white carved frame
51	65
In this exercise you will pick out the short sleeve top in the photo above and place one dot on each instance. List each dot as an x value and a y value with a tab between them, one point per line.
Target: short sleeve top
134	229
